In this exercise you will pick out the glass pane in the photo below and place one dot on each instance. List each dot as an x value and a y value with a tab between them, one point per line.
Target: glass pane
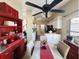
74	34
74	26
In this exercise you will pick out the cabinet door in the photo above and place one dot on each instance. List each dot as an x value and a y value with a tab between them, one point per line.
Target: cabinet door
8	55
73	52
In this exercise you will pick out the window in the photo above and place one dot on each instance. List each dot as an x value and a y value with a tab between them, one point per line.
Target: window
74	28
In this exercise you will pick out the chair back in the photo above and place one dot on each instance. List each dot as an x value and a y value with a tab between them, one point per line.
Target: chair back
63	49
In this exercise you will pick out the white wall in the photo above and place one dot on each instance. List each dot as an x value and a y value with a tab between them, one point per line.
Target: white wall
29	25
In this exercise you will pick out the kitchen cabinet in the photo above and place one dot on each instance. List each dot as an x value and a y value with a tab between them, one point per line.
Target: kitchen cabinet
56	22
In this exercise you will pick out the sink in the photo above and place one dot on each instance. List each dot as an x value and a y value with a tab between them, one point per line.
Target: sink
2	48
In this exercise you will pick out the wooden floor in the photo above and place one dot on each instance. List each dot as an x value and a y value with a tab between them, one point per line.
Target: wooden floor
26	56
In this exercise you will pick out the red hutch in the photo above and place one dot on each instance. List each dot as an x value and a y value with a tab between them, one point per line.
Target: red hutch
14	46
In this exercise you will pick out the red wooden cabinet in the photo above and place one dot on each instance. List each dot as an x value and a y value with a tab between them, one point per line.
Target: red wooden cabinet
8	28
7	55
15	49
14	13
1	22
73	52
5	8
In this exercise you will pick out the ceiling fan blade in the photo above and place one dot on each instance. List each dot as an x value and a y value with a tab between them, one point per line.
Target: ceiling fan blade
33	5
37	13
59	11
54	3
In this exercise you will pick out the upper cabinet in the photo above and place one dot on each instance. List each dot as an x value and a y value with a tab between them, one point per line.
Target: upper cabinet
8	11
9	20
56	22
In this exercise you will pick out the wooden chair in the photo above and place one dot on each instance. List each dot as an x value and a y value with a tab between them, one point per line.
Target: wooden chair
63	49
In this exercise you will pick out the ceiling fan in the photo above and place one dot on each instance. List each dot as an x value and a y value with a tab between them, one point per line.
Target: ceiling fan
46	7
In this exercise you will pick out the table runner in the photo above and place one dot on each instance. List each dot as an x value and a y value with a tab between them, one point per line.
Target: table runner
46	53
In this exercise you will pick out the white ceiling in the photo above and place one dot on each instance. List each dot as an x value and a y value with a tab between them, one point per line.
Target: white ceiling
41	3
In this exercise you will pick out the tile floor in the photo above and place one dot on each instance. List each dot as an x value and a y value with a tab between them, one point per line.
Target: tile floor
36	50
26	56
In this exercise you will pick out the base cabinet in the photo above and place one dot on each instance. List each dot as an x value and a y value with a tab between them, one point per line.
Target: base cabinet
73	52
15	50
7	56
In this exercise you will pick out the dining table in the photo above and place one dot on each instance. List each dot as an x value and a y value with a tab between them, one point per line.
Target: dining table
45	53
